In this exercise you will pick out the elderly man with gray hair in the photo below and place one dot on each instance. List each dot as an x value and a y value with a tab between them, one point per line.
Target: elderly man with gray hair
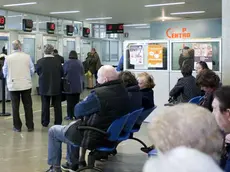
50	72
186	125
18	69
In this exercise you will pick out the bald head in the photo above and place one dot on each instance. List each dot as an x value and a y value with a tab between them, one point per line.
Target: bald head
107	73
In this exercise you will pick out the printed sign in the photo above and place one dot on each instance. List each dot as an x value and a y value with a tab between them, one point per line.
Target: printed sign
155	55
203	52
178	33
136	54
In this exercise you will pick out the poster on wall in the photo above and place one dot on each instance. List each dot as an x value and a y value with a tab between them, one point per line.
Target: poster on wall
155	55
203	52
136	54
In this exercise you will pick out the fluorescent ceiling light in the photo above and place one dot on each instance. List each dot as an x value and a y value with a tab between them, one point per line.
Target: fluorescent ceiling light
165	4
189	12
99	18
21	4
135	25
142	27
64	12
17	16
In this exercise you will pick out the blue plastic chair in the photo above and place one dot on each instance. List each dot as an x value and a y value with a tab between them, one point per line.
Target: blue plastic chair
125	134
112	135
139	122
195	100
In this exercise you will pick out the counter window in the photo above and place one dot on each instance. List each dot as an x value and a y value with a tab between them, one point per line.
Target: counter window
146	56
193	52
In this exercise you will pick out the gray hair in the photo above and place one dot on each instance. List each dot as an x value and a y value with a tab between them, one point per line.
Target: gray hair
181	159
16	45
48	49
186	125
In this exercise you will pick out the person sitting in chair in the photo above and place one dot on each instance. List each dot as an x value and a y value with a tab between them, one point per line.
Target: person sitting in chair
108	102
185	88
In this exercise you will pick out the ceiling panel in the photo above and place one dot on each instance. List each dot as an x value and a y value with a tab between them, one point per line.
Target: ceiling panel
122	11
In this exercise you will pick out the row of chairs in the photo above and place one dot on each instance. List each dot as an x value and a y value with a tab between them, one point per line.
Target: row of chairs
120	130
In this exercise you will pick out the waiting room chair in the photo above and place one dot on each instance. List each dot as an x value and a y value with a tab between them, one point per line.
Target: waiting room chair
112	135
195	100
133	117
138	124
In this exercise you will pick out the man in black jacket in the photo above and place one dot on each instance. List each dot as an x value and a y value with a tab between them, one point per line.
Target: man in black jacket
108	102
50	72
58	56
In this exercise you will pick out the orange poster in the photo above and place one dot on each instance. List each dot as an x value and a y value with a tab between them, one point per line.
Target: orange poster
155	55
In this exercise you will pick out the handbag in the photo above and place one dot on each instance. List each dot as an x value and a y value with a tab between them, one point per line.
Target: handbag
66	85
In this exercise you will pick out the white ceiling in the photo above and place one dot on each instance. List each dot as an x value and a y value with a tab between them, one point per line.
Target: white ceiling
122	11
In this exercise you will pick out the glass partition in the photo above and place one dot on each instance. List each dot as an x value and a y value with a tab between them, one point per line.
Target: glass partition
146	55
105	51
193	51
114	50
14	20
42	23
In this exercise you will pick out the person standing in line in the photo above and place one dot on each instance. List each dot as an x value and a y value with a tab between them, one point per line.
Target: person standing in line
94	62
18	69
50	72
74	75
58	56
2	59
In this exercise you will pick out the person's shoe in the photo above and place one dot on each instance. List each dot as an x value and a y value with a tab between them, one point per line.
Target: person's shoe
67	118
30	129
54	169
69	168
17	130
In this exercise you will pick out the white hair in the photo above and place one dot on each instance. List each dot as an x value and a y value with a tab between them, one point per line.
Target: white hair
16	45
181	159
186	125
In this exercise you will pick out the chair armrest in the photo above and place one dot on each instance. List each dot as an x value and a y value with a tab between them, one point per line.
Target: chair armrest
93	129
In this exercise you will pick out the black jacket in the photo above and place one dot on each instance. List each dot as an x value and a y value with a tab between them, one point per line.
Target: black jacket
135	98
207	101
60	58
50	72
147	98
114	102
185	89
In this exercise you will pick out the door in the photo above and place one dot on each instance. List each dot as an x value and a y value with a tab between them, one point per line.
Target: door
68	45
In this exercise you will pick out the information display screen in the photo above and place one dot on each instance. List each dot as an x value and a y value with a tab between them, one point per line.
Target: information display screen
69	30
86	32
50	28
2	22
27	25
114	28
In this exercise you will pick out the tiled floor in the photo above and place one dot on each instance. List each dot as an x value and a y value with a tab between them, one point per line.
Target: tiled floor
27	152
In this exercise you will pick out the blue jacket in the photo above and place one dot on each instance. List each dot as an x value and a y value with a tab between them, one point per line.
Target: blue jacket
120	64
74	73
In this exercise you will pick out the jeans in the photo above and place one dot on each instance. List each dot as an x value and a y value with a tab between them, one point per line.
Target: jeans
56	137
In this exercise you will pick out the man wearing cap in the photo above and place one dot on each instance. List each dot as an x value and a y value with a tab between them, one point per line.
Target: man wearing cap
50	72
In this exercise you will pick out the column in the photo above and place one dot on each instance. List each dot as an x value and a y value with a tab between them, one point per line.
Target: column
226	42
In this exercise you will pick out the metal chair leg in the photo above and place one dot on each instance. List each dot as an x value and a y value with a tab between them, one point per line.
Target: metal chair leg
138	140
90	168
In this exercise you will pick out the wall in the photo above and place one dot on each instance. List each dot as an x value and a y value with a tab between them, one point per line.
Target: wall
206	28
137	34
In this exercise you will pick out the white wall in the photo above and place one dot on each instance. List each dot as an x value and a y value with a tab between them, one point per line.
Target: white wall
137	34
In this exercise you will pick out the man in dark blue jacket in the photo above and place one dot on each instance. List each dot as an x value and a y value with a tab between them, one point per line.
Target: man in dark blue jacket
108	102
